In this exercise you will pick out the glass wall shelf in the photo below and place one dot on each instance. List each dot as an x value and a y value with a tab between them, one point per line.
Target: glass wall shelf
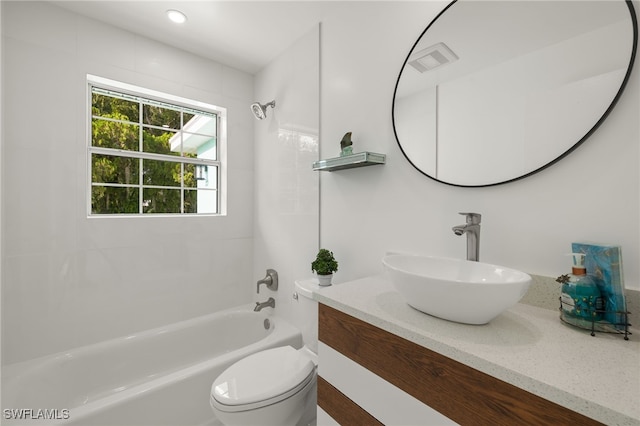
360	159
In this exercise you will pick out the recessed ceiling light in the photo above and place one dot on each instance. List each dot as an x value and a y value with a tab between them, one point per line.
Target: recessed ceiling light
177	16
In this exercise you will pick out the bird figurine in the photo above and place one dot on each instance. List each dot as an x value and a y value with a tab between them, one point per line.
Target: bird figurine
346	145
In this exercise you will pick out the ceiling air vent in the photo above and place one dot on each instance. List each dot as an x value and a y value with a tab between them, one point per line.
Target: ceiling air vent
432	57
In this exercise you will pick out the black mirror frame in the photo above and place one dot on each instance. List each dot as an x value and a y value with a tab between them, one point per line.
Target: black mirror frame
634	23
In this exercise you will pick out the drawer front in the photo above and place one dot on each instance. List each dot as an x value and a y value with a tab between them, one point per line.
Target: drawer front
460	393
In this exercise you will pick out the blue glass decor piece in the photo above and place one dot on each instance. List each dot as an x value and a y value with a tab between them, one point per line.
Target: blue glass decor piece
605	263
346	151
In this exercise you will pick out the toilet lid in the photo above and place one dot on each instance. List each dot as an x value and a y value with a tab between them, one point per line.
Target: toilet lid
263	378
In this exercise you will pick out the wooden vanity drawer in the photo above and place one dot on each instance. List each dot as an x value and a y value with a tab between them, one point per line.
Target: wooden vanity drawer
459	392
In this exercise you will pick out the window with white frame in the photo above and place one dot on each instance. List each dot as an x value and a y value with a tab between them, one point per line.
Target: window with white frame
151	153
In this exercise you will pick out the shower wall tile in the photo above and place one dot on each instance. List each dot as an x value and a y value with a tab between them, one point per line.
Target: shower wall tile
106	44
71	280
39	183
286	188
166	62
47	74
237	85
240	156
50	27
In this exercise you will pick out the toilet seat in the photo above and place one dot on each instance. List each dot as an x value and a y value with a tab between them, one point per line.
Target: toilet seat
262	379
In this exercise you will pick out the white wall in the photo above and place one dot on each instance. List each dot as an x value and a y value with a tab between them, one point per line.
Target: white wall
593	194
286	188
1	161
415	123
506	115
69	280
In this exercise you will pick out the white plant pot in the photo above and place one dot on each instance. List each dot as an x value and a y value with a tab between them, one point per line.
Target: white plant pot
324	280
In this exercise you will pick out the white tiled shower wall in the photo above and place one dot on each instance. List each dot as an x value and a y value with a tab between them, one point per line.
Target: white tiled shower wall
286	188
69	280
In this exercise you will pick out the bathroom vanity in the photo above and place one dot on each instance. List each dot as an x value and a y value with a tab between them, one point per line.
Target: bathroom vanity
383	362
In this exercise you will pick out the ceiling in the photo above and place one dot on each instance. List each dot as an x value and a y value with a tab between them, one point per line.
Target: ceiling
245	35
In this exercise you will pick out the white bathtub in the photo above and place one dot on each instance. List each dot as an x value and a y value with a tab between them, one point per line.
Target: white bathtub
157	377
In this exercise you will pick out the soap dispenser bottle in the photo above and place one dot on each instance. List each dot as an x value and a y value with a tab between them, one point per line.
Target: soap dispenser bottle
580	296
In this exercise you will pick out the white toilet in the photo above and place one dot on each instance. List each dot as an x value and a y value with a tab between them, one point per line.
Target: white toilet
275	386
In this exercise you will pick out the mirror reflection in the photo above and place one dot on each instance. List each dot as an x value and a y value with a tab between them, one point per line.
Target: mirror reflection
493	91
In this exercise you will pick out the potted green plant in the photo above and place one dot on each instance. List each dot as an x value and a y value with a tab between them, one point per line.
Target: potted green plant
324	265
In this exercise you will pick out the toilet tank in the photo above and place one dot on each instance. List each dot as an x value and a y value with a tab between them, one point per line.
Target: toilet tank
305	312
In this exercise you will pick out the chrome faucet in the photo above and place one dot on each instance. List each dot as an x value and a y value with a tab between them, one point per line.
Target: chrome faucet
472	229
271	302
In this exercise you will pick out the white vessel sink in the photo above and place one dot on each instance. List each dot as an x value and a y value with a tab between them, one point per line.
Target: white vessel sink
453	289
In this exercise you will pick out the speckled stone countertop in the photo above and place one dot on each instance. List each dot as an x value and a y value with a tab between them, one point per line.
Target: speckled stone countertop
526	346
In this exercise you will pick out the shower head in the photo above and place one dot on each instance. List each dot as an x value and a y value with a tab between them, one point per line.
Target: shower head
260	111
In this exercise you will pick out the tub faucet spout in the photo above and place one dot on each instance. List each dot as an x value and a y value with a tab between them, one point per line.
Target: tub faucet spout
472	229
271	302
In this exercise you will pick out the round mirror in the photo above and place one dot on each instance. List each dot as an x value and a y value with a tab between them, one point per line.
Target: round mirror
494	91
